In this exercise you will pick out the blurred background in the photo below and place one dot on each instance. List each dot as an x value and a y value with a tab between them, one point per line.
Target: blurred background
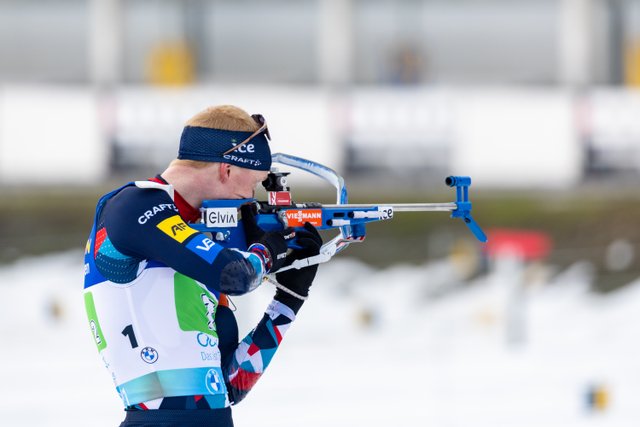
537	100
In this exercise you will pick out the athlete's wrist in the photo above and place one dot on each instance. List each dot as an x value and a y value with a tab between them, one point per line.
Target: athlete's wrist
263	253
295	304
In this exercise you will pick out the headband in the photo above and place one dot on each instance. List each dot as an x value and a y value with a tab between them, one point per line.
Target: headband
216	145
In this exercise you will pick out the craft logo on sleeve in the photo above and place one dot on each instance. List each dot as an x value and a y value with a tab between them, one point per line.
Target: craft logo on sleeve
176	228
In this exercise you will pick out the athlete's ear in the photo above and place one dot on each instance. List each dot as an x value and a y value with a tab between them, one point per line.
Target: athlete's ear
224	172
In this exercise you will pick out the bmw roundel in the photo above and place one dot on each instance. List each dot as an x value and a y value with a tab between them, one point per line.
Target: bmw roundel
213	381
149	355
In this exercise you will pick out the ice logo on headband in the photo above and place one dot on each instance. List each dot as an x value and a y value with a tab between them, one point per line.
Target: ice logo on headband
242	148
246	148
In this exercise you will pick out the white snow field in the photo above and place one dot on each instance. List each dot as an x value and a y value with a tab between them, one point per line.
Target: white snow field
370	348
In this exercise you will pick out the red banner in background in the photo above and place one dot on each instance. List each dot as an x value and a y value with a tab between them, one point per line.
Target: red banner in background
526	244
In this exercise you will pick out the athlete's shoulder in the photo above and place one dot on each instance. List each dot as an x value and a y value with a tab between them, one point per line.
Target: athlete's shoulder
143	200
131	215
145	190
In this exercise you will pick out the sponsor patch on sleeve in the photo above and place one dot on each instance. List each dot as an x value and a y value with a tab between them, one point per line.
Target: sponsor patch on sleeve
176	228
204	247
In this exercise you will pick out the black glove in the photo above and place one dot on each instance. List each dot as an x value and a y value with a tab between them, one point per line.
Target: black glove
299	281
270	246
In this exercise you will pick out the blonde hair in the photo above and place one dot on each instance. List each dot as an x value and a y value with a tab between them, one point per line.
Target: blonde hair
224	117
194	164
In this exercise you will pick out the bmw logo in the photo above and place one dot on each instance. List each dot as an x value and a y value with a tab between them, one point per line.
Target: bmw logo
149	355
212	381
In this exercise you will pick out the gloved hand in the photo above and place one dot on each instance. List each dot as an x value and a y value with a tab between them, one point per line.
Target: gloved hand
299	281
270	246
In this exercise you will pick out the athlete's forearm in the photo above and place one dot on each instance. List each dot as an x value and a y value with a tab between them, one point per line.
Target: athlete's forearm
256	350
143	224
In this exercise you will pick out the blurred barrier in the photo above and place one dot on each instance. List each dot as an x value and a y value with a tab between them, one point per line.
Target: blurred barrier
611	129
50	135
503	137
406	130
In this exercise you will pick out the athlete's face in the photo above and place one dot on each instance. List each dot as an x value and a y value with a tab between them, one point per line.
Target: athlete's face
243	182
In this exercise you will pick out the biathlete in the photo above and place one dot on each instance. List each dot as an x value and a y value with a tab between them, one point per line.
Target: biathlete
155	289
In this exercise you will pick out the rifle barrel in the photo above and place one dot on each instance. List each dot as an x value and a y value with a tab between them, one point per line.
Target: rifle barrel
403	207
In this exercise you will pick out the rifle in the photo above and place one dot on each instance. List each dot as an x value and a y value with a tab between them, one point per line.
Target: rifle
221	219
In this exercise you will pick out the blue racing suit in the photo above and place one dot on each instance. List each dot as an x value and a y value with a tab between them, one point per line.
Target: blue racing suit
155	294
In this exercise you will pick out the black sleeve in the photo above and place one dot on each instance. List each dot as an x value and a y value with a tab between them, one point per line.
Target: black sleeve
144	223
227	328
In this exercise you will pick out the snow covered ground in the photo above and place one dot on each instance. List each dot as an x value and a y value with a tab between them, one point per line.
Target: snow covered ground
370	348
